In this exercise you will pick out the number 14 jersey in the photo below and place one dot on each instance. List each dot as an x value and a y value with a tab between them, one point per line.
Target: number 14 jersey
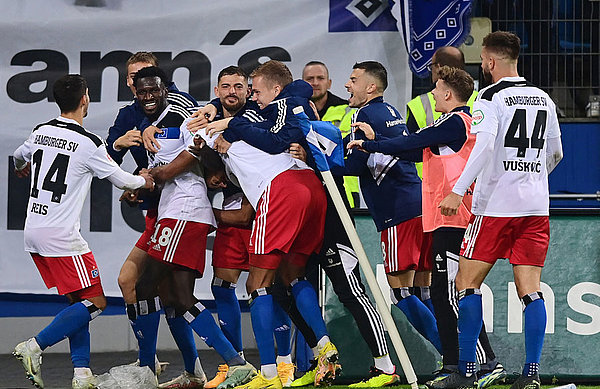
64	158
521	117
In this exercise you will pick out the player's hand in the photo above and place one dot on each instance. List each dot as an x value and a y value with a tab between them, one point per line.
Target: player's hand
24	171
202	117
298	152
356	144
449	205
221	145
130	197
149	181
364	127
198	144
217	127
131	138
150	142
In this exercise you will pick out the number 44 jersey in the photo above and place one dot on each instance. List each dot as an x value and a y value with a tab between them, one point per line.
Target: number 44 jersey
64	158
521	117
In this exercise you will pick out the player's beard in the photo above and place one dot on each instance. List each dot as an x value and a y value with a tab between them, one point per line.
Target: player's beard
233	108
487	78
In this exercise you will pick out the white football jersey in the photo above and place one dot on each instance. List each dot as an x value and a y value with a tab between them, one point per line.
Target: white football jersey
521	117
184	197
252	168
64	158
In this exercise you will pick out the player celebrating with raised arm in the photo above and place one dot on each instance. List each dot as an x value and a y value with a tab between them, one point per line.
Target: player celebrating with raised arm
392	191
517	145
65	157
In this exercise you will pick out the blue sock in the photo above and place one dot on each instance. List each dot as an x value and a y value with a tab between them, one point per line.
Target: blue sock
420	317
184	338
261	311
308	305
470	320
283	330
79	343
146	334
230	316
205	326
66	323
535	327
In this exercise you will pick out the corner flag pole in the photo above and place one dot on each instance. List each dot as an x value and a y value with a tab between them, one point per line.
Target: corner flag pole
371	280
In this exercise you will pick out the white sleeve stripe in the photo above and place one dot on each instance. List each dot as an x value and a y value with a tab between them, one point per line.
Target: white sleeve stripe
180	99
281	114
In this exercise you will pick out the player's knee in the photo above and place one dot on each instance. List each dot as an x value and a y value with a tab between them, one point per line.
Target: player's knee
126	281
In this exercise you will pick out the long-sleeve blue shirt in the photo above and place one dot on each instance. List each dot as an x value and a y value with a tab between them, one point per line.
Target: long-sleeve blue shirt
280	126
390	186
447	131
131	116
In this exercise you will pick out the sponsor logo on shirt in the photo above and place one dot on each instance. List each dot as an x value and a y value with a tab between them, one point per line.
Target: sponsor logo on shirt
477	117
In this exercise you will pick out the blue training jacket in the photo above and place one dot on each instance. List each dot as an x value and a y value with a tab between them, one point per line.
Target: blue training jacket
390	186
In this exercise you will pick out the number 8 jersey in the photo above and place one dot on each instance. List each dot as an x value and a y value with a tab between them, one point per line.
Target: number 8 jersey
64	158
521	117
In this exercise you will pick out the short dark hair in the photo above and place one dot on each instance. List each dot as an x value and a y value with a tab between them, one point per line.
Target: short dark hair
450	56
232	70
274	72
68	91
503	43
151	71
142	56
376	70
458	80
313	63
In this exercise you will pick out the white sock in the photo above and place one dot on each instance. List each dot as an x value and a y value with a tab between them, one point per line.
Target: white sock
284	359
198	371
269	371
322	342
384	363
82	372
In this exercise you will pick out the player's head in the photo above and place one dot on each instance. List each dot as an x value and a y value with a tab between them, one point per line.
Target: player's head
71	93
499	53
446	56
214	169
151	90
453	88
317	75
232	88
367	81
141	59
268	80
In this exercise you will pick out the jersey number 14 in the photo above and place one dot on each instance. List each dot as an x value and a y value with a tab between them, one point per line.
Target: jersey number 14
54	181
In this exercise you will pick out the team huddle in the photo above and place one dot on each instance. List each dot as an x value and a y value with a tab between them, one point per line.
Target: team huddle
440	232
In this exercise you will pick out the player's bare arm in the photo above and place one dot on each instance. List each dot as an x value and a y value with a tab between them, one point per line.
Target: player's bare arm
364	127
150	142
182	163
130	138
238	217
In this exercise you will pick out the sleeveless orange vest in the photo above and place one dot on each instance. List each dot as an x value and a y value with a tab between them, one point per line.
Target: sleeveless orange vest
440	173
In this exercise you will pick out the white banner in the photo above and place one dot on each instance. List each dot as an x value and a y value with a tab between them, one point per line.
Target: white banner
43	40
